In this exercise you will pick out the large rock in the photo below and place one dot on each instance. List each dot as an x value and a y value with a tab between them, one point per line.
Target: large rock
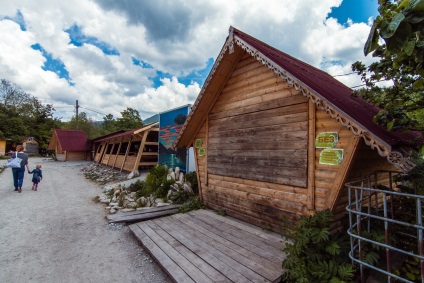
133	174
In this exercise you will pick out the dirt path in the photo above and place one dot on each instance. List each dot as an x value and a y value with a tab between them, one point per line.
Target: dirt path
59	234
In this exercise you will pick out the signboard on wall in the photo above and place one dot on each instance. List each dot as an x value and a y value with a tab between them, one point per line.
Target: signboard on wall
170	124
326	140
331	156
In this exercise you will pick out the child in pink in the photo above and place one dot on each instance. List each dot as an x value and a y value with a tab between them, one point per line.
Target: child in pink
36	178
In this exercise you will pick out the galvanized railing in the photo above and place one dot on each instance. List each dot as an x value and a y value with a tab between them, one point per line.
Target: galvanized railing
375	203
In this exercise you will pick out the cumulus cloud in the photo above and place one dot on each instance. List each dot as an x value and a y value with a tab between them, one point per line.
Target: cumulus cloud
169	37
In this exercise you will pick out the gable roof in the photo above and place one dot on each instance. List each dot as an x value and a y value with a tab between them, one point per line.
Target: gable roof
325	91
70	140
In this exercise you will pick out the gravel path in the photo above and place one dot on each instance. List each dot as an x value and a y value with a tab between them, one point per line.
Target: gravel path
59	234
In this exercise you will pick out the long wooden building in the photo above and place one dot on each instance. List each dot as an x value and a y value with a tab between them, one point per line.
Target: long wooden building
275	137
130	150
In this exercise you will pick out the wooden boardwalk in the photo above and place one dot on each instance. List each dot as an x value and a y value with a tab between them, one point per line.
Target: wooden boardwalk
141	215
201	246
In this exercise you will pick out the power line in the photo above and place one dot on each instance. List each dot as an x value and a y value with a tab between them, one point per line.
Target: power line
344	74
92	110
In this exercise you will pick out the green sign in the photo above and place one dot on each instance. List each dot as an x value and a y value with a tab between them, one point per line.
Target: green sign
331	156
201	151
326	140
198	143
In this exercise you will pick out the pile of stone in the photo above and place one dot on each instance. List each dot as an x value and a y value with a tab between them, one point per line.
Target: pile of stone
121	198
102	174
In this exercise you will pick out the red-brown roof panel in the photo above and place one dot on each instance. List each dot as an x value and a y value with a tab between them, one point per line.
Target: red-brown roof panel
333	92
73	140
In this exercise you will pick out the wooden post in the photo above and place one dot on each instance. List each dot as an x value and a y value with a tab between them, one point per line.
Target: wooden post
311	155
102	152
207	150
199	184
117	153
126	153
140	151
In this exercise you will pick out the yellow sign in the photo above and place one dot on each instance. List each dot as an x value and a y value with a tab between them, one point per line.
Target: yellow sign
326	140
198	143
201	151
331	156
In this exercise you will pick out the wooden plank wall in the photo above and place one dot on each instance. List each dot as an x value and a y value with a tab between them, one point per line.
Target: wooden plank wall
326	176
76	155
258	128
257	148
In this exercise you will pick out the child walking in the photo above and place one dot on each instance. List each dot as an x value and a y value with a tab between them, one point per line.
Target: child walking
36	178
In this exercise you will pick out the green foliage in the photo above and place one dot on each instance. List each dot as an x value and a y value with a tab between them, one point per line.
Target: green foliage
130	119
84	123
401	61
23	116
410	269
180	196
192	179
192	204
155	184
136	186
314	254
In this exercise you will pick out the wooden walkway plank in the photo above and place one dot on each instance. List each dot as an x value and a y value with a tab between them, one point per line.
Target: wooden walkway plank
235	260
248	237
269	253
258	264
145	210
203	251
141	215
201	246
259	255
254	230
169	250
177	273
211	272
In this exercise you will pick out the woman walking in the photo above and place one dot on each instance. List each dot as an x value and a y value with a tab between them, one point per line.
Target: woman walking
18	173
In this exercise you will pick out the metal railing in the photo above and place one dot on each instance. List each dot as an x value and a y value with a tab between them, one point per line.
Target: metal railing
377	205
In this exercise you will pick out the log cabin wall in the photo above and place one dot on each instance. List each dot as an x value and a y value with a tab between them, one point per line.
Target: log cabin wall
257	141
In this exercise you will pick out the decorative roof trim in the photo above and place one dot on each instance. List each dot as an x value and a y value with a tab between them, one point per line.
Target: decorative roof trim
228	44
395	157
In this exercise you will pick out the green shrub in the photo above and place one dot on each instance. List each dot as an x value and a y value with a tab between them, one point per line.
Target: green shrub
136	186
192	179
315	255
154	179
192	204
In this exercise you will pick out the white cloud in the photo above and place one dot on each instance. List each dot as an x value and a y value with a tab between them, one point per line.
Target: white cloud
171	44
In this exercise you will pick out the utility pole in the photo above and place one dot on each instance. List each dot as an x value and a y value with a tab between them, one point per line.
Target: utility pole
76	111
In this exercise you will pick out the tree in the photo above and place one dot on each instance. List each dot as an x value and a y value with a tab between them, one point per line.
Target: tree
397	39
23	116
109	124
84	123
130	119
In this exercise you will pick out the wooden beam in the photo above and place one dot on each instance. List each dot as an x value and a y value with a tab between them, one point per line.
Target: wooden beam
140	151
126	153
207	150
311	156
199	185
117	153
343	172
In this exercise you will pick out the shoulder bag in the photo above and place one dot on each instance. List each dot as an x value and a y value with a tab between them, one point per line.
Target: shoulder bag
14	162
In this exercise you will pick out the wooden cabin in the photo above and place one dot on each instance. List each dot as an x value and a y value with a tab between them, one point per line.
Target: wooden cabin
130	150
2	147
275	137
69	145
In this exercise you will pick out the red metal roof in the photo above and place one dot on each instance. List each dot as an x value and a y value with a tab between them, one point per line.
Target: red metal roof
72	140
333	92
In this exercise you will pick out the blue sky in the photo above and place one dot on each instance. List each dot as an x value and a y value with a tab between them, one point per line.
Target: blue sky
156	56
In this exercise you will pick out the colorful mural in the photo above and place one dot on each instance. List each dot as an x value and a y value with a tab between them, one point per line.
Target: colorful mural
170	124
